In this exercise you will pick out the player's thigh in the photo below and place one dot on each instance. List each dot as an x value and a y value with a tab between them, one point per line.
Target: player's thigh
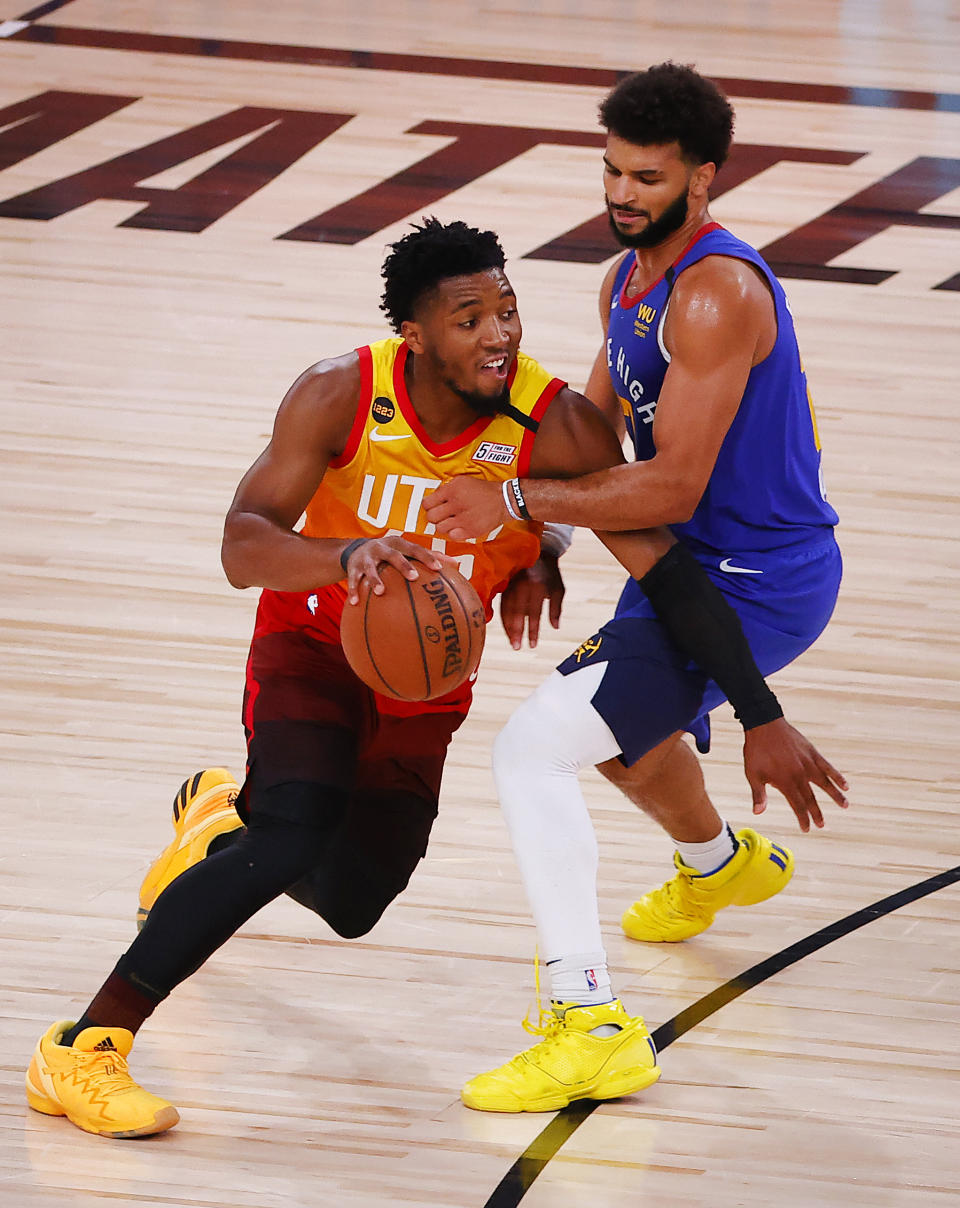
648	691
398	788
386	829
308	719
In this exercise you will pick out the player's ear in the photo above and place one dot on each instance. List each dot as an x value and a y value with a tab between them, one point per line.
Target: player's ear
701	180
413	335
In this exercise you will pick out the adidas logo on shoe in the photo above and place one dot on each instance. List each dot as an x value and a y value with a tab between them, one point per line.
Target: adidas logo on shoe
105	1045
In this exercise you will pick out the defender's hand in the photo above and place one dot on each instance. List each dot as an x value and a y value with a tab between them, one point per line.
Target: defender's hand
466	507
778	754
521	604
366	559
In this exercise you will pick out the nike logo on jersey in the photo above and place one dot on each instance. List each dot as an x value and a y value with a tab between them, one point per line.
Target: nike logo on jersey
376	435
737	570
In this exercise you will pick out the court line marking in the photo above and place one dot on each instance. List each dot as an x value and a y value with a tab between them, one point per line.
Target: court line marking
447	65
521	1176
16	24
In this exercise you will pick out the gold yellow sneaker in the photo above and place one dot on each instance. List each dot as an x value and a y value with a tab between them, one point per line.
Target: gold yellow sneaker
686	905
90	1084
570	1063
202	810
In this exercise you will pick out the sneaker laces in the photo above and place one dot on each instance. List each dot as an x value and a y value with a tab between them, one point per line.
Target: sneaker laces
110	1071
677	897
549	1023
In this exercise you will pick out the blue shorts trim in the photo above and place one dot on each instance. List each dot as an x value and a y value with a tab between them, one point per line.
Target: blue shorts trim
650	690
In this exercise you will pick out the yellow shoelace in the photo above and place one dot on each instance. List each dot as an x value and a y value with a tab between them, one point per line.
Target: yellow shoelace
548	1022
109	1070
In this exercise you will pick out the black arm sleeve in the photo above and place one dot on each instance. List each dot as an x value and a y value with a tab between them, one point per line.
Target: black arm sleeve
704	626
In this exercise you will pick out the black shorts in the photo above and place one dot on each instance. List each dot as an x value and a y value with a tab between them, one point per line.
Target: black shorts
310	721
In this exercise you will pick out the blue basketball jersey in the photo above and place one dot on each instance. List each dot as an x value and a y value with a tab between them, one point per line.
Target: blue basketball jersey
766	490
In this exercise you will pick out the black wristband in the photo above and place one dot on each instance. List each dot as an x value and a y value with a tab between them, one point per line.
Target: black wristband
513	486
702	624
348	550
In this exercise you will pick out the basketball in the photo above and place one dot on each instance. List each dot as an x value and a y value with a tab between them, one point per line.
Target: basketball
421	639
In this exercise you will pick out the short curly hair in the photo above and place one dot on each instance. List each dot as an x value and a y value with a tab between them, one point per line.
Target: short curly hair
432	252
671	103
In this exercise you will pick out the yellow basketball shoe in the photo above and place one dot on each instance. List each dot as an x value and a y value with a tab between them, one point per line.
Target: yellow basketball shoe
90	1084
570	1063
686	905
202	810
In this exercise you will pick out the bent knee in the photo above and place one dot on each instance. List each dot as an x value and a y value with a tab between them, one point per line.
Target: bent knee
557	729
352	920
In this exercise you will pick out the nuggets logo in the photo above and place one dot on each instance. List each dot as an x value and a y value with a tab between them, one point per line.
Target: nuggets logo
382	409
588	648
499	455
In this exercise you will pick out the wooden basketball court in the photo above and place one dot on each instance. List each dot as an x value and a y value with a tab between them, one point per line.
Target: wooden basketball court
194	205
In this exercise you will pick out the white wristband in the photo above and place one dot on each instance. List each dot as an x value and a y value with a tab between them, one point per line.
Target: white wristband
508	501
556	538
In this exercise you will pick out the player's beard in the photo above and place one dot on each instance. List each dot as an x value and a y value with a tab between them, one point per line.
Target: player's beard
657	229
482	404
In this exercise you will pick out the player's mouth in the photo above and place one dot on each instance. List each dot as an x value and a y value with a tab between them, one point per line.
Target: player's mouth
495	367
626	217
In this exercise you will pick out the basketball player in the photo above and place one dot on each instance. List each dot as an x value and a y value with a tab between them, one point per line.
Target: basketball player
342	785
700	362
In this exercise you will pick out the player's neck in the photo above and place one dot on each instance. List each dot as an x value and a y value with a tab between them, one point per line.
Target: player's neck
652	262
442	413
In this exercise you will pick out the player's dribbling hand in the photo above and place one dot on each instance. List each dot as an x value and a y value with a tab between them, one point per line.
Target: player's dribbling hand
366	559
466	507
521	605
779	755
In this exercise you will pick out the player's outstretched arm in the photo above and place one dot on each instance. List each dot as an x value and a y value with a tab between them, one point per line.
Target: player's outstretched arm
699	620
717	319
704	626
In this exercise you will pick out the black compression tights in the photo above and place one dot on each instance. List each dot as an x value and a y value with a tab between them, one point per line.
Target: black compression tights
204	906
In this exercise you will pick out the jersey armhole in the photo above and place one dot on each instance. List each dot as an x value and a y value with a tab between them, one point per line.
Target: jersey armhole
363	409
550	392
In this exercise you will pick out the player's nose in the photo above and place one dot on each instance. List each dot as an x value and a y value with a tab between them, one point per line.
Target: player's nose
496	334
620	191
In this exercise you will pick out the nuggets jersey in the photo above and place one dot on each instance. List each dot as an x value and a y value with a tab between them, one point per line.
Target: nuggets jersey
765	492
377	485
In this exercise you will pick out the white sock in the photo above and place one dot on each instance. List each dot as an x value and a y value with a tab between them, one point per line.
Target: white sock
580	980
706	858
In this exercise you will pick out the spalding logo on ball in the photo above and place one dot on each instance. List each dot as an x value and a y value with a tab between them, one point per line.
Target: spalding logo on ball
421	639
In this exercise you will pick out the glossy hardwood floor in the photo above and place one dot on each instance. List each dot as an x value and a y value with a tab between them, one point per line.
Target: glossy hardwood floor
154	312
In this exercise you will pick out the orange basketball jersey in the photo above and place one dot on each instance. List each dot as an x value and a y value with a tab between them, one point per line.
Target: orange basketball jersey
376	488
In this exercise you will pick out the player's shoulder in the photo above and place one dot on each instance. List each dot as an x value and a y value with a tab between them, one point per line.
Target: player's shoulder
321	404
719	291
571	413
326	380
574	437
